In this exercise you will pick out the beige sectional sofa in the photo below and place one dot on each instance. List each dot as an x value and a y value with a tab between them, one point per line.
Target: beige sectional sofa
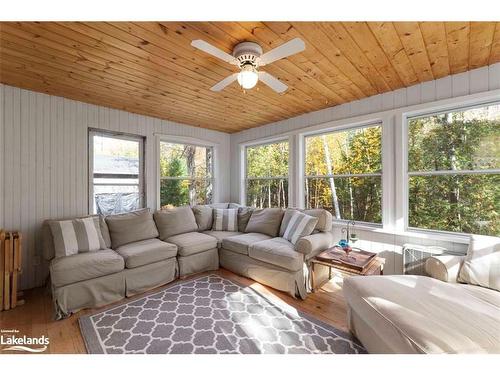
145	250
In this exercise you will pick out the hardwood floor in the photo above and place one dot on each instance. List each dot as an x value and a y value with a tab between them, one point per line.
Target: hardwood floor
35	317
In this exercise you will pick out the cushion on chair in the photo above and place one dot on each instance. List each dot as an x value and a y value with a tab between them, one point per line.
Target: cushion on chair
174	221
225	219
324	223
277	251
193	243
85	266
300	225
144	252
131	227
203	215
482	263
221	234
244	214
265	221
240	244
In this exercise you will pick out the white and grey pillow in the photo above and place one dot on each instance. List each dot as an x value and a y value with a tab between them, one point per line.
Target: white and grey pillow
225	219
482	263
300	225
76	236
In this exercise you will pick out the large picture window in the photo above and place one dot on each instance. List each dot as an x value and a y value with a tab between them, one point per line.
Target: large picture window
454	171
116	172
343	173
266	180
186	174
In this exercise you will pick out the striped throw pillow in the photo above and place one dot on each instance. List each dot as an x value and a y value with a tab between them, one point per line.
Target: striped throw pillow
225	219
76	236
300	225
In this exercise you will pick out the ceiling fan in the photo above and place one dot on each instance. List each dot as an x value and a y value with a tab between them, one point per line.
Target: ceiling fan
248	57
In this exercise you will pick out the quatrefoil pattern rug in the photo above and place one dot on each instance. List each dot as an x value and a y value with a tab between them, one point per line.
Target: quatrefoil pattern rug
210	315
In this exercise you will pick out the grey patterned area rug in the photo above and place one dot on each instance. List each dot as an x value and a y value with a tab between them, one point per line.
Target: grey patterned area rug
210	315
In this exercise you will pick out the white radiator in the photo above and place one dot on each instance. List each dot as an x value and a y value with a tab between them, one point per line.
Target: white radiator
414	257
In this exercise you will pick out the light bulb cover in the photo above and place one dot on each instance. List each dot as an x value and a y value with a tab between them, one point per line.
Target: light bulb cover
248	77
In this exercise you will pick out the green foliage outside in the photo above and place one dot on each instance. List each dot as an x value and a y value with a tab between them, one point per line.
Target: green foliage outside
355	151
459	141
192	165
267	161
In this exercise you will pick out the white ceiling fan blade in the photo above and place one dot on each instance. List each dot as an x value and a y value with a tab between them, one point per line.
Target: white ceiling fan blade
225	82
214	51
272	82
289	48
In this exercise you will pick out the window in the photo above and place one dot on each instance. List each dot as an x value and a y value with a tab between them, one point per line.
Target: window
266	180
343	173
116	172
186	174
454	171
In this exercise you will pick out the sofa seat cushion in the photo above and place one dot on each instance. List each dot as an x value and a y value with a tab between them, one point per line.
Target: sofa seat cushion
140	253
279	252
193	243
221	234
240	244
418	314
85	266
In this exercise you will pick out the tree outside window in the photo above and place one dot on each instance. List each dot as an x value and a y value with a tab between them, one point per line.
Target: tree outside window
343	173
454	171
186	174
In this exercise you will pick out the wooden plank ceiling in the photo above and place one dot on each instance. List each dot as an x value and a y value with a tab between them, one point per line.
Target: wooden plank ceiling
150	67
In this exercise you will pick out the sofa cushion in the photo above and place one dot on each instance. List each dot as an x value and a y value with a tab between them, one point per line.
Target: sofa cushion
277	251
203	215
418	314
85	266
240	244
193	243
131	227
225	219
173	221
324	223
76	236
300	225
265	221
221	234
482	263
244	214
219	205
144	252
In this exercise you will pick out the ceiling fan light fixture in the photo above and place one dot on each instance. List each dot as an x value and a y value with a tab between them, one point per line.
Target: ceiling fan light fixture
248	77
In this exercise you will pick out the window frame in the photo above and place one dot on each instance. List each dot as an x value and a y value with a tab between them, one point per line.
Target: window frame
189	142
142	163
345	127
406	118
244	166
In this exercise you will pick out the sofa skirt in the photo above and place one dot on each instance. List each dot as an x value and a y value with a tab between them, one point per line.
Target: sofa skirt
107	289
150	276
91	293
294	283
205	261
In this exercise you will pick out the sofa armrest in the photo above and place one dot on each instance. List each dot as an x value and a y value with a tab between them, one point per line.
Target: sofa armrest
313	244
444	267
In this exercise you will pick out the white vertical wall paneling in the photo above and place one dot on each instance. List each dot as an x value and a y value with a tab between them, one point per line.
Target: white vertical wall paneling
44	162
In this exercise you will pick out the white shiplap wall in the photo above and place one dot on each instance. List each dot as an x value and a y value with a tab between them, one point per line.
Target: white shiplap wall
44	167
389	245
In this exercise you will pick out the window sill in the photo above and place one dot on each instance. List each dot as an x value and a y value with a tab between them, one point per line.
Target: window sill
429	235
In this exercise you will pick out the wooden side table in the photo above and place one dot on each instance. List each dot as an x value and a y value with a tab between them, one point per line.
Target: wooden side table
374	267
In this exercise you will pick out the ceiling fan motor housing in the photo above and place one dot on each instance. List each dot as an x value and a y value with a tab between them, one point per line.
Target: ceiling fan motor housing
247	53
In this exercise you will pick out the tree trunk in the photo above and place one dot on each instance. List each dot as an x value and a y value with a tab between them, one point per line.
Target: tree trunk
329	168
190	154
